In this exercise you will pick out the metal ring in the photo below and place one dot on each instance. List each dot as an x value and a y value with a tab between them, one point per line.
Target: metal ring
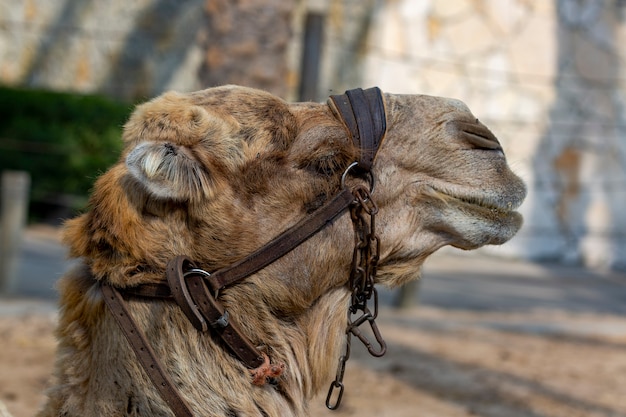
205	275
345	175
197	271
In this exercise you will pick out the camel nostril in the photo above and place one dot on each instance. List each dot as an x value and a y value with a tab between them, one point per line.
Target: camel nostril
476	134
482	142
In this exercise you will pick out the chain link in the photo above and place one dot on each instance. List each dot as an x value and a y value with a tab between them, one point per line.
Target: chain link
337	384
362	276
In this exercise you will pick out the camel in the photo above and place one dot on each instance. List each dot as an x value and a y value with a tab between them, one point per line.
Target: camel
216	174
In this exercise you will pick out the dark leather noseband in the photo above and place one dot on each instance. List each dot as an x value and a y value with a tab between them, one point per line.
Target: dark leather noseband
363	113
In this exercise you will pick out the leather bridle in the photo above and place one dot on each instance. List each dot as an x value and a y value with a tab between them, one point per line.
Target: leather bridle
196	291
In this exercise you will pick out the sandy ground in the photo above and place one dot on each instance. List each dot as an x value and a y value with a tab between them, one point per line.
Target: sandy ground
440	363
490	338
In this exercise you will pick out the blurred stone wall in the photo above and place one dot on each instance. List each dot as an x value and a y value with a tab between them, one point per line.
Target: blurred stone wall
137	49
548	78
245	42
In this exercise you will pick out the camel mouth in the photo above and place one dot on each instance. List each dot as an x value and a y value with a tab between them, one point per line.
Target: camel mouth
485	203
493	205
475	220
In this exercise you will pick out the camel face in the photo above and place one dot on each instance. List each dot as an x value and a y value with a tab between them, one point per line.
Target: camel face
444	180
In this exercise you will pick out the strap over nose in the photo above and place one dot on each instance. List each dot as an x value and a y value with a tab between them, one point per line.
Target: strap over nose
363	113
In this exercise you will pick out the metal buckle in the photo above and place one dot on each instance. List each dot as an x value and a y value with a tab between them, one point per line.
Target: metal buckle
224	319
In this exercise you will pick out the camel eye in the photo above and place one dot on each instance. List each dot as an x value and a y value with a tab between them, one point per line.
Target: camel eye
329	156
326	162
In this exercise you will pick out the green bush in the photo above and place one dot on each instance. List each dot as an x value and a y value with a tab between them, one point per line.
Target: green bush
63	140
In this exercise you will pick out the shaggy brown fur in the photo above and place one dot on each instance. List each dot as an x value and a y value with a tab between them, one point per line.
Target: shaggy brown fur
216	174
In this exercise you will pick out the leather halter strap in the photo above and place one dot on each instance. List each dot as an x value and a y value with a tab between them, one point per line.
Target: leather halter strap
187	284
283	243
362	112
144	353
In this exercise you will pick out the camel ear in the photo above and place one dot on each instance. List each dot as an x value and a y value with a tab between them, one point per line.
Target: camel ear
169	171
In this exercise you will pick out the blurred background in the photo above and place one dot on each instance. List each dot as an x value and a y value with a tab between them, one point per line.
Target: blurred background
547	76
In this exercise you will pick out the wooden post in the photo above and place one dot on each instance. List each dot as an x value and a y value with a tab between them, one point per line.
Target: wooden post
311	56
406	296
15	190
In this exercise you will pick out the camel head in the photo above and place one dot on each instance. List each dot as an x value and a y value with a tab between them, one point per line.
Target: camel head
216	174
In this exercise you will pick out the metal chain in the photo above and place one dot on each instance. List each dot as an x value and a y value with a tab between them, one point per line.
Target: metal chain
363	273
